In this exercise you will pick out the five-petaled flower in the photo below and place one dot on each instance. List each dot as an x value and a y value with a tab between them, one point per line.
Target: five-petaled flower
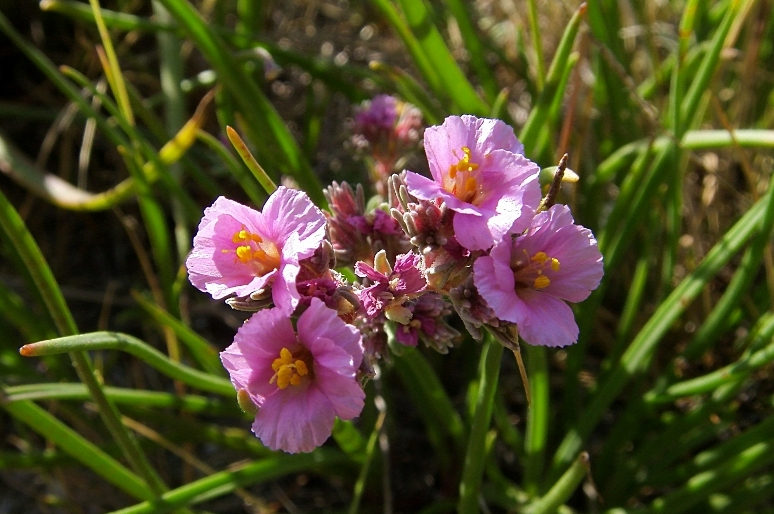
301	381
239	250
480	172
527	279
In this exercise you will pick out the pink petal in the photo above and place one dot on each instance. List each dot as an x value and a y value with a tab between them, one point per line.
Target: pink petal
343	392
289	211
545	320
299	420
496	286
318	321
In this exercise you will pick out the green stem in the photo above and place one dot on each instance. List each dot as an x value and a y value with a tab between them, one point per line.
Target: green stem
78	447
563	488
475	458
30	254
133	346
537	420
224	482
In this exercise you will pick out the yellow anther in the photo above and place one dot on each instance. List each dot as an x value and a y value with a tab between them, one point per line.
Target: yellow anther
245	235
542	282
244	253
463	164
554	264
287	370
540	258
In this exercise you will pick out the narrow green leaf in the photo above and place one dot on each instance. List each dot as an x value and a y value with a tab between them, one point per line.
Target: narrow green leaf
201	350
452	79
475	456
267	130
536	122
225	482
135	347
651	334
75	445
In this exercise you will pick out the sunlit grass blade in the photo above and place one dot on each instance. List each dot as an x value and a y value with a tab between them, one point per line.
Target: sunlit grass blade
700	81
63	194
135	347
273	140
743	464
247	182
475	46
203	352
536	122
536	436
563	488
225	482
110	65
122	396
452	79
79	448
422	61
475	456
640	350
258	172
732	372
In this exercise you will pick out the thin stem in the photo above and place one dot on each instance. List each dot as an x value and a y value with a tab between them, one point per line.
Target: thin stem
475	458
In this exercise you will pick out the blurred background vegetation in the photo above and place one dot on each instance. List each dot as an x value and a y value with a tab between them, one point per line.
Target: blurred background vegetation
665	109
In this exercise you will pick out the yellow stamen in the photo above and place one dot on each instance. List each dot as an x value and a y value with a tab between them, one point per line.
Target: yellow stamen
262	256
542	282
288	370
529	271
463	164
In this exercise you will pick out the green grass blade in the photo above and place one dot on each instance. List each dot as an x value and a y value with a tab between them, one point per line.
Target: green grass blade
476	48
75	445
123	396
135	347
202	351
461	91
700	81
421	59
651	334
247	181
225	482
475	456
538	116
274	142
537	418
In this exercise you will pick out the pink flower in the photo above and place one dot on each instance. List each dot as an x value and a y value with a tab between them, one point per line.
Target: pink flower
528	279
392	287
239	250
479	171
299	382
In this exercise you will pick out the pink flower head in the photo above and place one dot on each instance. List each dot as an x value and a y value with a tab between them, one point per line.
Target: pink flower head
300	381
392	287
377	117
528	279
480	172
239	250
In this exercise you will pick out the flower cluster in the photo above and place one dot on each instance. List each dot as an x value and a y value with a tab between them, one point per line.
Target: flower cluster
475	239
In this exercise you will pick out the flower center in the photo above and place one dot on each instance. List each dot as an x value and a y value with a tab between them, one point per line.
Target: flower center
254	251
530	271
289	368
463	180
